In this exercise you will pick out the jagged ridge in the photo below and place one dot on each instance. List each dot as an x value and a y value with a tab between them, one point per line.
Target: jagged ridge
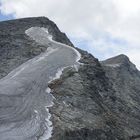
99	102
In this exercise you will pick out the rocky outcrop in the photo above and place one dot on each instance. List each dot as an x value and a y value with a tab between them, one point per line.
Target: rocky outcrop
100	101
93	104
125	79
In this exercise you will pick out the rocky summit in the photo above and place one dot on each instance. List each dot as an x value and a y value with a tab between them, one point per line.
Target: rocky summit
92	100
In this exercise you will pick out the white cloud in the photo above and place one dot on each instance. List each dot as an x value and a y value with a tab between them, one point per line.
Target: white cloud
101	23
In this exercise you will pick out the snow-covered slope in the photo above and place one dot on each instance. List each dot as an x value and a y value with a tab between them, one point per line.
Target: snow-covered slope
28	83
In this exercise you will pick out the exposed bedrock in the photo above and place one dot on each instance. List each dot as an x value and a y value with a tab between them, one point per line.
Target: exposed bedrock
100	101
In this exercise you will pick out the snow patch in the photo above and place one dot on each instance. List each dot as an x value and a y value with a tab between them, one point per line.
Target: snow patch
36	111
58	74
49	128
51	39
48	133
18	72
112	65
48	90
49	51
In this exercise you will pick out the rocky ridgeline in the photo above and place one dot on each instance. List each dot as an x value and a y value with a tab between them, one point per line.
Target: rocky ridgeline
99	102
14	43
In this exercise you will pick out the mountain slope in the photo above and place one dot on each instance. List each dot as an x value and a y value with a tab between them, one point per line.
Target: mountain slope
14	43
95	104
24	92
100	101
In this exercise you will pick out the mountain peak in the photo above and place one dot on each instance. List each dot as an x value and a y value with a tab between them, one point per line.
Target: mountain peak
119	60
91	100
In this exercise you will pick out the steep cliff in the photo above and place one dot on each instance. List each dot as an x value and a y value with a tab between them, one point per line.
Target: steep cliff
100	101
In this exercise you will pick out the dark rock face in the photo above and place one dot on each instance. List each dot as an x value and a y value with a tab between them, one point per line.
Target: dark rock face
126	83
99	102
83	105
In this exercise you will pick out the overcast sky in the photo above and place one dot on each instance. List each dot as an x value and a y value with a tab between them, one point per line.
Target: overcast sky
104	28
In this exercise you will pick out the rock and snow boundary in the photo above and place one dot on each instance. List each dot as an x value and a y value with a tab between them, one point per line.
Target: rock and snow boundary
48	133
